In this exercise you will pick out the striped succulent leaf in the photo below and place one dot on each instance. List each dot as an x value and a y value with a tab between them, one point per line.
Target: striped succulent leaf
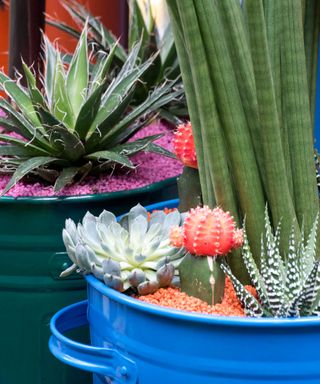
252	268
251	305
287	286
78	122
273	276
293	282
132	253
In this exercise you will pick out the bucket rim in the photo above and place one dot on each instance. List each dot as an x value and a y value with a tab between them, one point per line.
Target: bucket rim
76	199
121	298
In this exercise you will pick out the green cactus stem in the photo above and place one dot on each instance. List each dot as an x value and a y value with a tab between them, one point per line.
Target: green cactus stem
203	279
189	189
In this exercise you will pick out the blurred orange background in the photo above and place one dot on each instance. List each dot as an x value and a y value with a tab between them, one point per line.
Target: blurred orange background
108	10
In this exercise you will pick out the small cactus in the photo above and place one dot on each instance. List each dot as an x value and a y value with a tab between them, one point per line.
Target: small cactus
133	253
207	232
210	233
184	147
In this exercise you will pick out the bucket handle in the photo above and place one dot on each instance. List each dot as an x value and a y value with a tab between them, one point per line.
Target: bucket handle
104	361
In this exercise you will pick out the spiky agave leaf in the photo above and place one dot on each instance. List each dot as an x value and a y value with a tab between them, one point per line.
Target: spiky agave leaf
134	252
287	288
78	122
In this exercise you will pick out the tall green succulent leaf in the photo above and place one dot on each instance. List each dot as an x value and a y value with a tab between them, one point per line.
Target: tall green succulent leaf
34	93
51	57
78	74
311	40
277	187
297	114
62	108
204	173
241	154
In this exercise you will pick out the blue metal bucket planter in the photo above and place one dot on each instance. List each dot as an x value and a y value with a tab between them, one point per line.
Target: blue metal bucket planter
134	342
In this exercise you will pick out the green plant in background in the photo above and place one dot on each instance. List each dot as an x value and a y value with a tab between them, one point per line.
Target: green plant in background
249	74
287	285
77	124
134	253
164	66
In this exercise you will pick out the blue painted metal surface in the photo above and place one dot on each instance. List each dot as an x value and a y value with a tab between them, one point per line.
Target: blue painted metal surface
134	342
138	343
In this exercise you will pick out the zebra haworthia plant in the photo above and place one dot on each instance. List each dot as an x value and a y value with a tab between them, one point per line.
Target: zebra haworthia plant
133	253
287	286
78	123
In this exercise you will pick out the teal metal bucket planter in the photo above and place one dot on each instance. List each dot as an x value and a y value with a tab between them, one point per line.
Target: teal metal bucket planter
31	259
138	343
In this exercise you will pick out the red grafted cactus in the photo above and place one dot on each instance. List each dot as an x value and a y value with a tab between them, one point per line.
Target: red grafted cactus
208	232
184	147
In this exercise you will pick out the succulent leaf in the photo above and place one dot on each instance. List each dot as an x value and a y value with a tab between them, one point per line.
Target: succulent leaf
165	275
148	287
252	268
136	277
250	303
112	267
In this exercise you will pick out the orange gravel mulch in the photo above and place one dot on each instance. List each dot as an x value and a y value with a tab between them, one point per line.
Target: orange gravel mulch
174	298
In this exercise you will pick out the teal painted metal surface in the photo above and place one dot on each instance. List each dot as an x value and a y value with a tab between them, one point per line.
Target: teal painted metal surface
31	259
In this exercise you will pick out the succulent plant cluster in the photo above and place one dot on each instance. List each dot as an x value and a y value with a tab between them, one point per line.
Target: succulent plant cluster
287	285
132	253
77	123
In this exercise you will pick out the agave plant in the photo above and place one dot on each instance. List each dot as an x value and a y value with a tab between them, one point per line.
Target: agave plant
133	253
287	286
164	66
75	124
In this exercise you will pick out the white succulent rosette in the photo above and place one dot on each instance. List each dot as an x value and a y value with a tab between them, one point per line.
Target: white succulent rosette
132	253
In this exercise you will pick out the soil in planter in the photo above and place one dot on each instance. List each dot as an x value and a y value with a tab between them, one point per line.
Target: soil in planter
174	298
150	168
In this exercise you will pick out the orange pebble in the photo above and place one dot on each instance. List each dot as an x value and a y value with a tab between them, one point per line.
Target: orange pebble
174	298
